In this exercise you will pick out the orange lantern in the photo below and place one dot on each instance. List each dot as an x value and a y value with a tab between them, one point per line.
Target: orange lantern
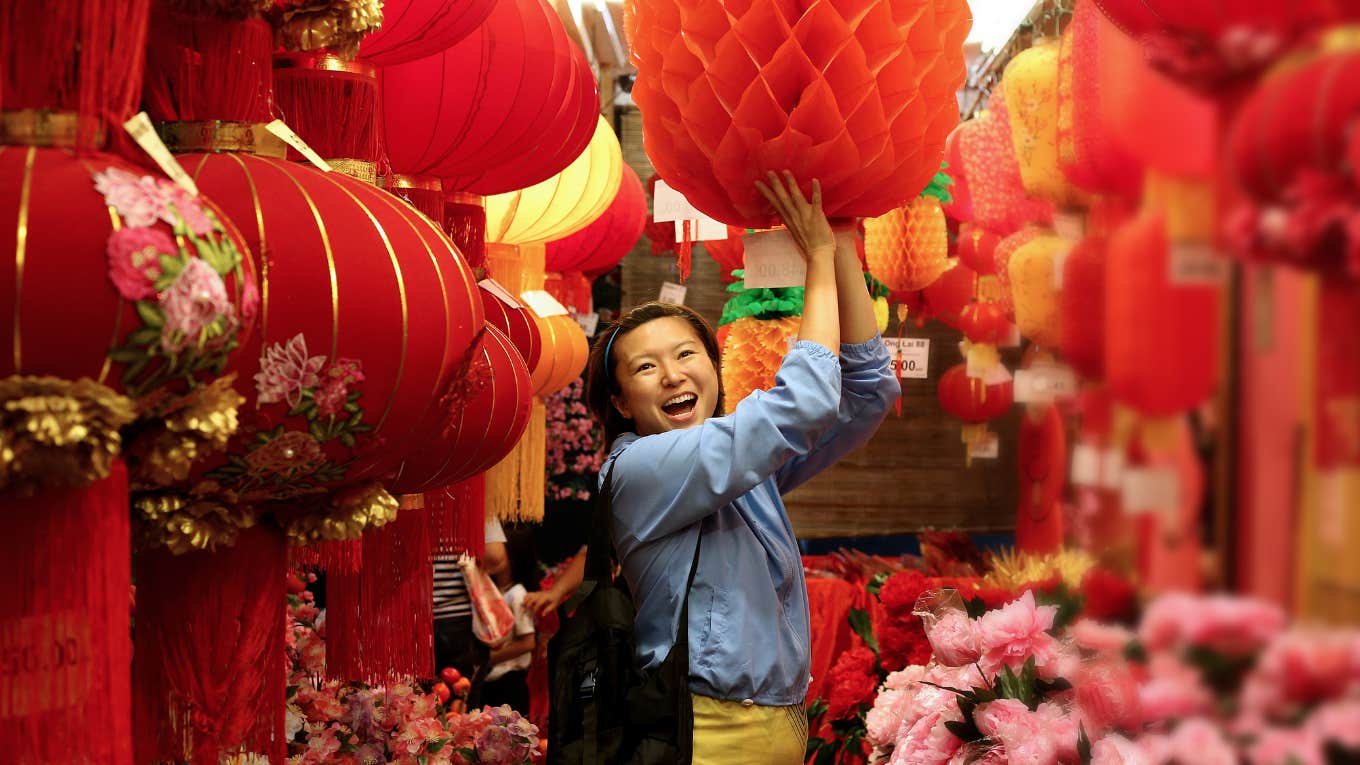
728	93
752	351
908	248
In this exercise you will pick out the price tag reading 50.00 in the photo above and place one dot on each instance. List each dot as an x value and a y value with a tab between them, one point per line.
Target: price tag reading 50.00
910	356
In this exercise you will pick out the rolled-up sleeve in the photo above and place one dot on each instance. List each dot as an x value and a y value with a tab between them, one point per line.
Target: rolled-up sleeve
668	481
868	389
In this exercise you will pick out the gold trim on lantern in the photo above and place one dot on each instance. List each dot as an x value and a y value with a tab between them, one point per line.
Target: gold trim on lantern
58	433
348	515
417	182
464	198
324	62
185	524
184	430
221	136
46	128
358	169
411	502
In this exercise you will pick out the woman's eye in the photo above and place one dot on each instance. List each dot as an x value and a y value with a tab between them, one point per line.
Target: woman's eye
643	367
685	353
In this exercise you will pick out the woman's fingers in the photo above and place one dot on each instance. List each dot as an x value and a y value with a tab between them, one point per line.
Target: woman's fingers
769	197
817	194
795	192
777	186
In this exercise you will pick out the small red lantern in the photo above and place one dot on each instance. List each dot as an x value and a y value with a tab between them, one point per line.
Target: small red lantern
517	323
984	323
509	106
972	400
729	92
977	248
946	297
413	29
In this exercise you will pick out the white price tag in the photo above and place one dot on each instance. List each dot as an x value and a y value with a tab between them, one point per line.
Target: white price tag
1196	264
286	134
144	133
986	449
1149	490
1059	262
1012	338
910	356
1044	384
543	303
672	293
773	260
1085	465
701	229
1111	469
997	375
588	322
499	292
669	204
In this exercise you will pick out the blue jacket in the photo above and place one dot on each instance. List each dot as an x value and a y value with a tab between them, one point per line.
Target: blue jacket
748	610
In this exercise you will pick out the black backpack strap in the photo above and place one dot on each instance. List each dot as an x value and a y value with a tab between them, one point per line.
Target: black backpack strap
599	548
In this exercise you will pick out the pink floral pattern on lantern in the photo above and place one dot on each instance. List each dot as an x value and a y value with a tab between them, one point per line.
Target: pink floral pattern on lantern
134	260
175	201
292	453
333	391
137	199
286	370
196	300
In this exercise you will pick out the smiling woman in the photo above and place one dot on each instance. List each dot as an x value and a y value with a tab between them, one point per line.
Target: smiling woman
678	473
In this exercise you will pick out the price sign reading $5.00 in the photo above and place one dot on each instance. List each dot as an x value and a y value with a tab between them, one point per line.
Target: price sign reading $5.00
910	356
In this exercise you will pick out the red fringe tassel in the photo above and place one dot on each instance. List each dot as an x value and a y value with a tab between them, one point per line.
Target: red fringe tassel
458	517
64	611
209	663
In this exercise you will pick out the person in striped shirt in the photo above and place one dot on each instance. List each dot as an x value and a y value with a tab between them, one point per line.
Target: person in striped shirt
454	644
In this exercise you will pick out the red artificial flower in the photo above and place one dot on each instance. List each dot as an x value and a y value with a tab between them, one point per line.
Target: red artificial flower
901	590
1109	596
853	682
902	642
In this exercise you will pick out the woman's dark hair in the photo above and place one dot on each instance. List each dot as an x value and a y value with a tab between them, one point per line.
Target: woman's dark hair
601	383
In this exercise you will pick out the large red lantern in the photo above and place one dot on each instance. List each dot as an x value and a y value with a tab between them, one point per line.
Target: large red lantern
413	29
1083	307
491	412
604	242
1161	351
960	206
859	96
1088	152
512	104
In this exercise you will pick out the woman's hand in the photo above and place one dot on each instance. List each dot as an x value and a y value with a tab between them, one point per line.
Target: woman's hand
804	219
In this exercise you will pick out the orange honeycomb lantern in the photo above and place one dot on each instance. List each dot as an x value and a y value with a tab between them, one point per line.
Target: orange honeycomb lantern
908	248
860	95
752	350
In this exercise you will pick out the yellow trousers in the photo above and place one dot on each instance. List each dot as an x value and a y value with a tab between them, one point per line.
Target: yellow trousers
730	733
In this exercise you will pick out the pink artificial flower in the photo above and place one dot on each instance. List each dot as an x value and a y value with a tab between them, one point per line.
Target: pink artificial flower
138	203
885	718
191	303
134	260
1172	691
334	388
175	200
1114	749
1064	728
1228	624
905	678
1091	635
1107	696
927	742
286	370
1287	746
954	638
1338	722
1300	667
1018	631
1026	737
1201	742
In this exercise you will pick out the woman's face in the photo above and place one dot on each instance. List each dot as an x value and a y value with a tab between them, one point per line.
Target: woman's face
667	380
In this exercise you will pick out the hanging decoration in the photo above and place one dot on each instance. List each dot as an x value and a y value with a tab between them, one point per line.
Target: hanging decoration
977	248
1000	203
728	93
599	246
1082	303
1089	153
959	208
974	401
415	29
1001	258
509	106
1042	458
946	297
1034	288
332	26
754	334
908	248
332	103
1032	102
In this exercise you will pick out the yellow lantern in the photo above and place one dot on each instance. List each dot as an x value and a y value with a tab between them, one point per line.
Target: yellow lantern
563	204
1031	83
1038	312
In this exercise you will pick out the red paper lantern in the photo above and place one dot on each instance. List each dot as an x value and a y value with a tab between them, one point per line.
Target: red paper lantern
517	323
511	105
1161	351
1083	307
70	320
859	96
984	323
1206	41
413	29
367	317
603	243
960	208
1088	151
1295	121
490	414
972	400
946	297
1000	203
1042	457
977	248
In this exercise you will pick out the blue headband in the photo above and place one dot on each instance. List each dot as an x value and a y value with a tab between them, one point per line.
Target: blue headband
609	346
